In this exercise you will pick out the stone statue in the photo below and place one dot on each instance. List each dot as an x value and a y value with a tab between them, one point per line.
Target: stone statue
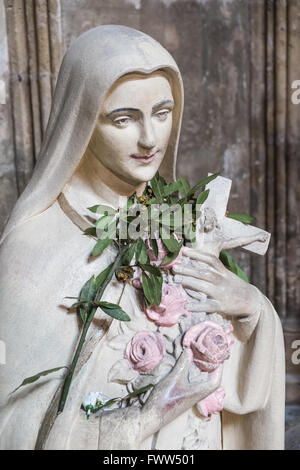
115	120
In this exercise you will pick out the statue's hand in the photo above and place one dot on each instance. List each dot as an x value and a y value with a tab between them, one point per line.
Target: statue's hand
126	428
175	394
226	292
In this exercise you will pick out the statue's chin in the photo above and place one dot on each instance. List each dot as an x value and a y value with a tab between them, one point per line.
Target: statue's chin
138	176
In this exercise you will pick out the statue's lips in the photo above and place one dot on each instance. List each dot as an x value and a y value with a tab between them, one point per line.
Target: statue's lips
145	158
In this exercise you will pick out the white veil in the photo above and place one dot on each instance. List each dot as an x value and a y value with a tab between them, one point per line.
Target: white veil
95	60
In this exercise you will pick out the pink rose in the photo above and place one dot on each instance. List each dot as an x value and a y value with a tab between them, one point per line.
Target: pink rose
171	307
162	252
145	351
208	345
214	403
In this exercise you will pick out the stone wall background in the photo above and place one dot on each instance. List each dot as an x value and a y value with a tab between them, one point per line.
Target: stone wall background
238	60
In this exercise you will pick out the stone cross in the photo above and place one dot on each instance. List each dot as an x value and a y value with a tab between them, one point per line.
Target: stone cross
229	233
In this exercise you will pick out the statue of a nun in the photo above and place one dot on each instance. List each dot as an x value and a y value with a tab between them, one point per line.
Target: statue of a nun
115	120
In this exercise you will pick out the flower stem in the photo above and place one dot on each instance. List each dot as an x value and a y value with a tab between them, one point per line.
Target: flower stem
86	326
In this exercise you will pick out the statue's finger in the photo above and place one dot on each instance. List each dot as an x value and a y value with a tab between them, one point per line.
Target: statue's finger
207	306
201	256
195	284
195	295
208	274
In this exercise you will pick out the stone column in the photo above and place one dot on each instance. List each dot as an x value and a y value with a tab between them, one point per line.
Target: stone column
34	43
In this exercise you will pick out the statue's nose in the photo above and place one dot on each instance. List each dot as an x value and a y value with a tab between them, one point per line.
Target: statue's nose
147	138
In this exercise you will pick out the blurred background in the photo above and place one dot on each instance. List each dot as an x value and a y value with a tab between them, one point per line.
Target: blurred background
239	60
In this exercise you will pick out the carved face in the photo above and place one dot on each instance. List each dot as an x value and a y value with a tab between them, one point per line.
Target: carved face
134	126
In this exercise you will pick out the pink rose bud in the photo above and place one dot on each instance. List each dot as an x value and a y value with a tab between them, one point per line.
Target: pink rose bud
145	351
162	252
171	307
208	345
212	404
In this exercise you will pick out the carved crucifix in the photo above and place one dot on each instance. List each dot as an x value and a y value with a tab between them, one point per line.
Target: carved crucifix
216	232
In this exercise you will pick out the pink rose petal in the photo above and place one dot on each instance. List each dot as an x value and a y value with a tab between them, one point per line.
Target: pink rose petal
145	351
209	345
171	308
214	403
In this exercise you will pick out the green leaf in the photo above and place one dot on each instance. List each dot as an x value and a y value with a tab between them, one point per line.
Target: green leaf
152	286
143	256
151	269
185	185
104	222
88	293
202	197
93	208
138	391
240	273
232	266
171	256
156	282
109	231
170	242
130	218
130	201
190	233
90	231
102	276
147	288
128	254
174	200
171	188
172	216
198	186
154	246
113	310
246	219
110	402
139	246
89	289
102	209
157	185
101	245
79	303
153	200
201	184
34	378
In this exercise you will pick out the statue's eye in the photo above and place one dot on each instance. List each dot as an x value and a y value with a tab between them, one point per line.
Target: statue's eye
122	121
163	114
